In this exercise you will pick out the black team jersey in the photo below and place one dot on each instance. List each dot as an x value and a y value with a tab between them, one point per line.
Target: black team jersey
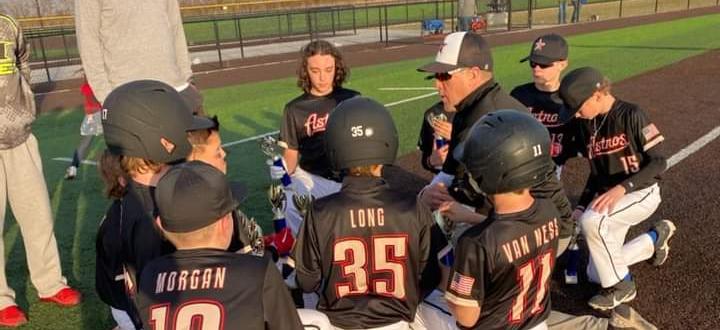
426	141
303	128
503	266
620	145
214	289
363	250
545	107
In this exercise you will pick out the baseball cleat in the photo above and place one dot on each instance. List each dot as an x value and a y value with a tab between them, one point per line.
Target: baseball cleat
71	172
665	230
625	317
611	297
12	316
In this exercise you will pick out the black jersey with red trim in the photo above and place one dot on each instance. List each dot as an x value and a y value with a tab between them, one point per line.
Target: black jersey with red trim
426	141
503	266
303	128
363	250
546	107
619	145
214	289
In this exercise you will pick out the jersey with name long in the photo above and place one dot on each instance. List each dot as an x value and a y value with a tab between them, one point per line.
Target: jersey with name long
617	143
363	250
213	289
503	266
546	107
303	128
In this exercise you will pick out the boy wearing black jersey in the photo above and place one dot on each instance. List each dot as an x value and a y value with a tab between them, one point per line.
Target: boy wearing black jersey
548	58
363	248
502	268
321	74
201	285
620	142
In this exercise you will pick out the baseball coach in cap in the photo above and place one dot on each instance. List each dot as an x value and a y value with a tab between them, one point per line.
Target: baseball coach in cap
463	70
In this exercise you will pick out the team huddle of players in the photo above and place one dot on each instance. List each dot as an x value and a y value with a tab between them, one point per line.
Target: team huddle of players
475	249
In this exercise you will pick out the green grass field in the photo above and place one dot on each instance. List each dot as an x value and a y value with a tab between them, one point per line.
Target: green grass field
251	109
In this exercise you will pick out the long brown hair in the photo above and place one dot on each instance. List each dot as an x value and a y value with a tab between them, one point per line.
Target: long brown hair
113	175
321	47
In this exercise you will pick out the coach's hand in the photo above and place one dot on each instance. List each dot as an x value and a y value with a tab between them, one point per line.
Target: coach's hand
442	128
434	195
437	158
605	203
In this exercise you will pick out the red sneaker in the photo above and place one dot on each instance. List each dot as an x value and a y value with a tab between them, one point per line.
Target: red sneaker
66	297
12	316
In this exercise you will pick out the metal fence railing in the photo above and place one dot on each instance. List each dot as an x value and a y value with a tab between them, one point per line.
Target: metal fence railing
224	38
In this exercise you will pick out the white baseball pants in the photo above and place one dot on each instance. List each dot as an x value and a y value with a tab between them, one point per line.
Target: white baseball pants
605	233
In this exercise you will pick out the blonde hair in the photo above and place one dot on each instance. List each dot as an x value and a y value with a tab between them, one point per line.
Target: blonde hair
367	170
135	165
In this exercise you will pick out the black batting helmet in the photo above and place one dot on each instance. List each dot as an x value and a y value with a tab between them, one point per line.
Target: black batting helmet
138	114
360	132
506	151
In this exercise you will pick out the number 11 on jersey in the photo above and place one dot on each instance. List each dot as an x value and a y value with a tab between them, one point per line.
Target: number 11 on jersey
526	276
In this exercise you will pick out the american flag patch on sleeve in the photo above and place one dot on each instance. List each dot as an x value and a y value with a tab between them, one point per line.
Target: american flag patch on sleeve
652	136
462	284
650	131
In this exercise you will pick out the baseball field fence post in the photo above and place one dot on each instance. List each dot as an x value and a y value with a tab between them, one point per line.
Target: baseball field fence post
279	29
367	16
620	9
407	12
332	20
688	5
386	26
309	24
452	15
530	12
315	25
217	42
237	26
354	22
289	24
242	44
42	42
509	12
656	6
437	8
65	45
380	23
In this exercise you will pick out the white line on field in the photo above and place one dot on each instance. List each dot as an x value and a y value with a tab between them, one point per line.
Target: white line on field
257	137
69	160
406	88
672	161
693	147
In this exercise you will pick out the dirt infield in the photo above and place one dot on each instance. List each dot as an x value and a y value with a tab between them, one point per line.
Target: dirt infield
683	293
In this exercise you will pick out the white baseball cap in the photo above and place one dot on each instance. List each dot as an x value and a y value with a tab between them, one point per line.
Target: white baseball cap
461	50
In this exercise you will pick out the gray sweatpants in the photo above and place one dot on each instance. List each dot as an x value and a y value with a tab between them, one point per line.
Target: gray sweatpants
23	184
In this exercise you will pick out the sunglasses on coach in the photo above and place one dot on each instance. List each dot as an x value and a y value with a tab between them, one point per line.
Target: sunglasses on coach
542	66
445	76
